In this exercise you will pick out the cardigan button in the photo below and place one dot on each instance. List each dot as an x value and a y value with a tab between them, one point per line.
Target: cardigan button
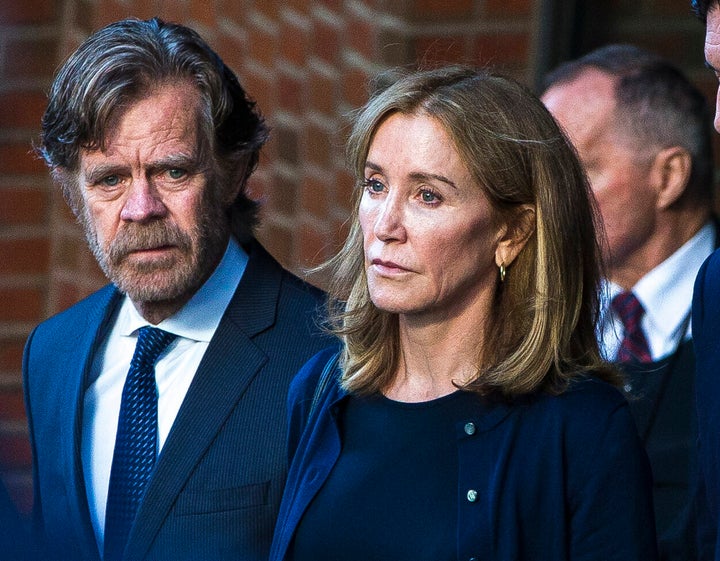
472	495
469	429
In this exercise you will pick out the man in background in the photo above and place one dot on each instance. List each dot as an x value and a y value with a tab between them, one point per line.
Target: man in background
157	405
643	133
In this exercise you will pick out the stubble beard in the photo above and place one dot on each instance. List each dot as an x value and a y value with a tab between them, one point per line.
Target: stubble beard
171	278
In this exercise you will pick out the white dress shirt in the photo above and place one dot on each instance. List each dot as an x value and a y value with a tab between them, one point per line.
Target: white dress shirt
194	324
666	295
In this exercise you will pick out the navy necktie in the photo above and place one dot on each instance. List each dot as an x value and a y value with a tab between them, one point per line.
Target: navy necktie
136	440
634	346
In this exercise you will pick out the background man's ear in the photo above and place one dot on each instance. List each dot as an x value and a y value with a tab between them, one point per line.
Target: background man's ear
670	174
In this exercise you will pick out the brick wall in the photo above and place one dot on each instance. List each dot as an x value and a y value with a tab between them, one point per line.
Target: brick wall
307	63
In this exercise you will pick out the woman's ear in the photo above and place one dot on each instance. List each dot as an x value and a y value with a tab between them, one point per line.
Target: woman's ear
515	233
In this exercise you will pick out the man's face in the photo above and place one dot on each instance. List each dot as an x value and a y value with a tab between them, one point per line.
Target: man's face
712	52
152	219
619	176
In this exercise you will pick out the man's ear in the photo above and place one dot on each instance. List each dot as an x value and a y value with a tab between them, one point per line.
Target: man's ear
69	183
514	235
670	174
237	184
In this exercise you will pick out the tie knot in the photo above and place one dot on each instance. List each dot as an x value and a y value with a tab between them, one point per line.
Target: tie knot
628	308
150	344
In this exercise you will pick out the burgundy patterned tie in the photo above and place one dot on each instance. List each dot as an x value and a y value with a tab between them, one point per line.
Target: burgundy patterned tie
634	346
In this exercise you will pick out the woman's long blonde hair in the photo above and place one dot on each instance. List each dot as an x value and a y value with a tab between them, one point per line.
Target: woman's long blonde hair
545	310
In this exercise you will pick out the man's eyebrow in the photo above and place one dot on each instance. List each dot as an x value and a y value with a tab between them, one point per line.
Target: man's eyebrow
96	172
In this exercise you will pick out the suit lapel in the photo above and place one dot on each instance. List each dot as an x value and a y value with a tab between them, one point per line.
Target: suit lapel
74	367
230	363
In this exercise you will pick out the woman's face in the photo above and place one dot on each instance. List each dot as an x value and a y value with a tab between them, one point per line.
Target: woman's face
428	230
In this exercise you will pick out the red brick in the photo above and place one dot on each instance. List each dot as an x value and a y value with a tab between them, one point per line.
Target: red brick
278	241
362	37
264	90
11	352
144	9
19	158
23	206
30	58
21	109
433	51
282	200
506	8
499	49
24	256
21	304
314	197
262	47
232	50
13	12
393	49
323	96
300	6
293	44
434	10
177	12
269	8
344	190
355	87
333	5
320	148
14	451
315	246
12	407
109	11
66	295
290	94
326	42
202	11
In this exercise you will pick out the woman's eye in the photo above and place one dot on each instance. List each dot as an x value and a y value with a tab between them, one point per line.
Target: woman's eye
374	186
428	197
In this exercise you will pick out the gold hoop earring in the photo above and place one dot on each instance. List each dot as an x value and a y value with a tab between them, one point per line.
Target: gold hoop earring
502	272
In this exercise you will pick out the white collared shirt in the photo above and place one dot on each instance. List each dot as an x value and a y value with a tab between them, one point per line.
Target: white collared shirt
666	295
194	324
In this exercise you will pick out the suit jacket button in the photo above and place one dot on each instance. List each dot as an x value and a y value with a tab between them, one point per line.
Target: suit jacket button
472	495
469	429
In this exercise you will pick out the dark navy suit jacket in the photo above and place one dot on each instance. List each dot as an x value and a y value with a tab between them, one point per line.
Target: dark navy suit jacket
706	338
217	484
556	477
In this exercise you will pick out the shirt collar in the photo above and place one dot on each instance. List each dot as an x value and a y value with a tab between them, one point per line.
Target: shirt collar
199	318
666	291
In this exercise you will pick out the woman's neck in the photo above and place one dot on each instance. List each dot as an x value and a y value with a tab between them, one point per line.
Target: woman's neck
436	358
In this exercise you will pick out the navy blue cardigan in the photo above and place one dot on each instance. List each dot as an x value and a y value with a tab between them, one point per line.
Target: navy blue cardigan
547	478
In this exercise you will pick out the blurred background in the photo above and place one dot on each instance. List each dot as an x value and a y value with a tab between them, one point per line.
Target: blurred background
307	63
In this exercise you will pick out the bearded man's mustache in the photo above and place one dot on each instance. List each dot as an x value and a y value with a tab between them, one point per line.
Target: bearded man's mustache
138	237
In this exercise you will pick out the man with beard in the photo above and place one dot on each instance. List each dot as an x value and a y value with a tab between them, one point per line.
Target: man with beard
156	406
